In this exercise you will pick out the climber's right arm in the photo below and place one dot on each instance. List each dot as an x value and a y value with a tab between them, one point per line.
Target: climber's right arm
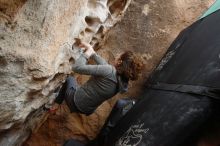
90	53
98	59
82	67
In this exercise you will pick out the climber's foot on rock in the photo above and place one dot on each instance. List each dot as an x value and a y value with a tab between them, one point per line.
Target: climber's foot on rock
54	108
51	108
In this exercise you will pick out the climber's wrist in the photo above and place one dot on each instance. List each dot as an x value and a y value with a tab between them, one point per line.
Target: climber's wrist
89	53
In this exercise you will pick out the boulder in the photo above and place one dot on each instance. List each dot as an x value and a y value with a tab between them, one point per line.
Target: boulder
37	52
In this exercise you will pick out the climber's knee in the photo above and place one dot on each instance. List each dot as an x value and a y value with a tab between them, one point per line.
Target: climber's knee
71	82
121	103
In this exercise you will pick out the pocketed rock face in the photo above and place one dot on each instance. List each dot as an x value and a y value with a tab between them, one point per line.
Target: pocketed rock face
147	28
36	55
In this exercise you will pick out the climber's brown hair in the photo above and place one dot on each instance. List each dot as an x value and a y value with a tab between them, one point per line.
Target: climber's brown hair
129	66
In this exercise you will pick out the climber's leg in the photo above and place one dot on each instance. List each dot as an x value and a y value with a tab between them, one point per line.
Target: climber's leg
68	88
69	98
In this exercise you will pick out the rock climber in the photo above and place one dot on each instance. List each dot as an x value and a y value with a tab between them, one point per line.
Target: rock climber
106	80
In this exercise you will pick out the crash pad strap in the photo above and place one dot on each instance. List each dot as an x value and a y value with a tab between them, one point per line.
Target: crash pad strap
191	89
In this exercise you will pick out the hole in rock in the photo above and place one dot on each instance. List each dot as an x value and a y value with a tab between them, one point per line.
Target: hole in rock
94	39
96	46
76	43
62	64
72	60
82	33
100	32
101	29
40	78
11	7
32	93
117	7
88	30
3	61
91	21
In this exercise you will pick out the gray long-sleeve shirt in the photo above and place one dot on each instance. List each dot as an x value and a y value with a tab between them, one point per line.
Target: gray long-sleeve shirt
101	86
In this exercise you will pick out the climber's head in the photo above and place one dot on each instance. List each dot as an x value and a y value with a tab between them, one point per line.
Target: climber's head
129	65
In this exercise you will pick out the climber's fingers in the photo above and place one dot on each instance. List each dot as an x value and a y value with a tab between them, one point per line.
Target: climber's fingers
83	49
85	45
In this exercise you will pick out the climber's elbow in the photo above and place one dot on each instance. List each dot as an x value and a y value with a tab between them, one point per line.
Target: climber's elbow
81	69
76	68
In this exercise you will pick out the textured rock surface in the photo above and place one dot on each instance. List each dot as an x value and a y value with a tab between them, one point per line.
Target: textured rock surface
36	38
148	28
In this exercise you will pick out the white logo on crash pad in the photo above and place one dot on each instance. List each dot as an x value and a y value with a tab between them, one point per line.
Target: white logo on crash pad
133	136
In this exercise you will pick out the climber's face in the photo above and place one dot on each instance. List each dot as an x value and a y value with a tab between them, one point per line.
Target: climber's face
117	60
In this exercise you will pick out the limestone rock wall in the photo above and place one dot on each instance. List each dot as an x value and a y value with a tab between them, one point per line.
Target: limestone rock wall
36	54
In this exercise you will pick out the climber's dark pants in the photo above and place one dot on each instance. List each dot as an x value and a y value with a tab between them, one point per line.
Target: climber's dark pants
67	92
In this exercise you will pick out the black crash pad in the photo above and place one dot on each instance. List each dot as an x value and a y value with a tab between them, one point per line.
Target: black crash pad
73	142
182	95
